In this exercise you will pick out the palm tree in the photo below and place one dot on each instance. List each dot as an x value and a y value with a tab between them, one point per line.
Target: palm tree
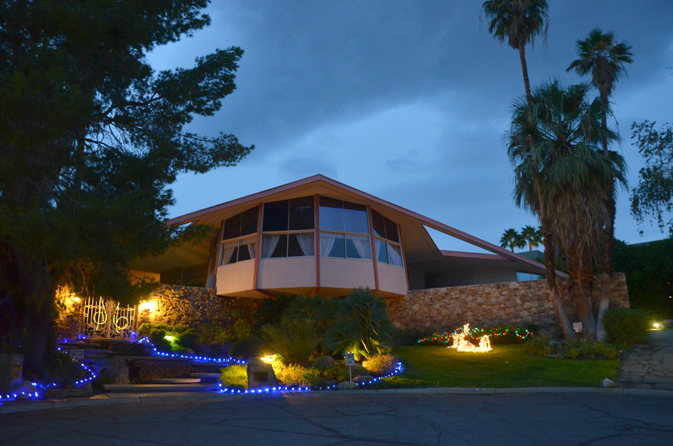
600	55
532	236
519	22
567	131
512	239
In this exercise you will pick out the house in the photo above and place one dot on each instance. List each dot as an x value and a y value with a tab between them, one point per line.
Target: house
317	235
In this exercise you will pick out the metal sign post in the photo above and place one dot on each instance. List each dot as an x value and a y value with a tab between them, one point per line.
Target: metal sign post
350	362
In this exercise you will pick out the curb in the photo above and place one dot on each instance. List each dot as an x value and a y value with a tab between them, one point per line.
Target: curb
190	396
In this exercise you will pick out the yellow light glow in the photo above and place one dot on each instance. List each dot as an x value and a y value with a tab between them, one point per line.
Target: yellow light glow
169	338
76	299
463	345
149	306
268	359
656	325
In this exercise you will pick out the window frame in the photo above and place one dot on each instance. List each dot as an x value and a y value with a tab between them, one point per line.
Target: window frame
287	232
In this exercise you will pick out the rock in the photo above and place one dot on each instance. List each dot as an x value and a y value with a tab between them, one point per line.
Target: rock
260	374
363	379
324	363
23	390
347	385
607	383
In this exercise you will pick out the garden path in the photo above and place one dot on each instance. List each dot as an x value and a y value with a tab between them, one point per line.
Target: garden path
649	366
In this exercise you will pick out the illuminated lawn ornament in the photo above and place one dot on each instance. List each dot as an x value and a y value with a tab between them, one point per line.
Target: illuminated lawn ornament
461	344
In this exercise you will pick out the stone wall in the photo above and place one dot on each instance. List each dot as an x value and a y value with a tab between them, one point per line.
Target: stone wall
193	306
512	303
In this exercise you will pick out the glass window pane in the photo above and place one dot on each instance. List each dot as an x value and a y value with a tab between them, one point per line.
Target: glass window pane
358	247
379	225
274	246
355	216
275	216
301	213
395	254
232	227
229	253
301	244
249	221
391	231
331	214
381	252
332	245
246	250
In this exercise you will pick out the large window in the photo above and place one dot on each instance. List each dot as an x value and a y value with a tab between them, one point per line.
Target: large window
344	230
288	227
238	237
386	240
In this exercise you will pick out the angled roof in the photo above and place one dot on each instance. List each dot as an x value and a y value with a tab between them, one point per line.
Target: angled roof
418	245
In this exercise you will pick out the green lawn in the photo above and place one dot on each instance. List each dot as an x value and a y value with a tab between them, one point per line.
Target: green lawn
504	366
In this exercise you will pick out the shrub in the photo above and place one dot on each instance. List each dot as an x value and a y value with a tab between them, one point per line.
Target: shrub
586	348
244	348
242	328
626	326
316	308
182	337
379	365
540	346
295	340
271	311
362	325
235	376
296	375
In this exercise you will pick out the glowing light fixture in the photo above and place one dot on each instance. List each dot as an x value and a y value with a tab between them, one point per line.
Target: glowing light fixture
268	359
149	306
463	345
656	325
169	338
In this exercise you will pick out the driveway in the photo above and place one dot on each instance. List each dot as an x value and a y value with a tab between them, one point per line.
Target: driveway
357	419
649	366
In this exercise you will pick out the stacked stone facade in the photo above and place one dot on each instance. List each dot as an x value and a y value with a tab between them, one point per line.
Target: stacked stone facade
194	306
512	303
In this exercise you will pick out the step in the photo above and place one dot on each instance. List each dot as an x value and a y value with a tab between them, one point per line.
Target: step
142	388
175	381
207	377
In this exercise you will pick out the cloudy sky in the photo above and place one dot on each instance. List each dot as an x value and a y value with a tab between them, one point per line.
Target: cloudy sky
407	100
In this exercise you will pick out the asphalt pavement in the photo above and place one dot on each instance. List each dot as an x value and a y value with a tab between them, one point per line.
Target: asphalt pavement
358	418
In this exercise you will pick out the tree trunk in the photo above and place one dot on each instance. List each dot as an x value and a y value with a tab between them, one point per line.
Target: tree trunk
550	266
608	266
36	302
526	81
608	234
581	294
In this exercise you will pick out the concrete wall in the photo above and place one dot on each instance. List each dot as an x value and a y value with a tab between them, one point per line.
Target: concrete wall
392	278
346	273
286	272
235	277
512	303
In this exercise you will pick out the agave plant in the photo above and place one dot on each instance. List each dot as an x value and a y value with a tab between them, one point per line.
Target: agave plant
293	340
362	325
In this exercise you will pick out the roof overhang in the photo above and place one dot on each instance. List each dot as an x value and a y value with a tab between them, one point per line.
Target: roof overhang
418	245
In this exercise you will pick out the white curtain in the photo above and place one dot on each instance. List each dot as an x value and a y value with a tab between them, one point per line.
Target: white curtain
326	245
228	253
269	243
361	246
305	240
394	254
249	244
378	244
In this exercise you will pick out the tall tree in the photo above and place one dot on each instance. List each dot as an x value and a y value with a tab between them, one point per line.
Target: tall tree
532	236
602	56
654	194
512	239
90	138
576	176
519	22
